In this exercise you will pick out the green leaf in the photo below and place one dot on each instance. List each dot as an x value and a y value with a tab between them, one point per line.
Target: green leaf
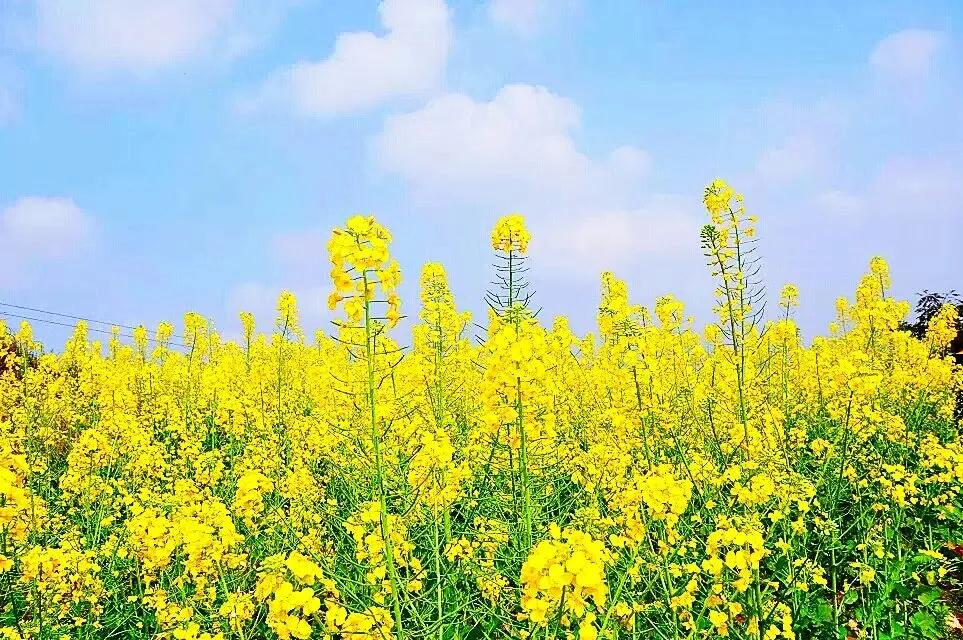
929	596
924	623
822	612
850	596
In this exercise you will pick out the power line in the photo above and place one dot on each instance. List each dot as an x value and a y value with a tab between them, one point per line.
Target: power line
71	326
72	317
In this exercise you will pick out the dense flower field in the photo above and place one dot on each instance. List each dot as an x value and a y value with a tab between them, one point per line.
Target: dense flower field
504	479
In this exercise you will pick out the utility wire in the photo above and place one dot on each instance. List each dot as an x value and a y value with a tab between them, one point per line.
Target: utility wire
67	315
71	326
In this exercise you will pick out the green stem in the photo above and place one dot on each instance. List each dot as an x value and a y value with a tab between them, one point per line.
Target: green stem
379	465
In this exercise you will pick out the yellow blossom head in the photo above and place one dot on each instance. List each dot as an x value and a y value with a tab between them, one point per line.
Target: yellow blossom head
510	234
362	268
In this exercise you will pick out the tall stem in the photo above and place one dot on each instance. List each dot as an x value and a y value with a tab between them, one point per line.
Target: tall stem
438	586
439	423
379	465
523	468
525	489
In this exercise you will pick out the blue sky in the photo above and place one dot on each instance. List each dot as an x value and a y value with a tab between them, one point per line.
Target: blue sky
193	155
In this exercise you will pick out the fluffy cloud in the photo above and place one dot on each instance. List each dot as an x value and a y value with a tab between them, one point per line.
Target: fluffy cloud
802	139
798	156
49	228
129	35
40	231
661	228
517	147
907	54
526	17
517	151
919	188
365	69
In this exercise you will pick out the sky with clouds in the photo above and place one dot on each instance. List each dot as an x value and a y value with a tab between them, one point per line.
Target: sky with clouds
159	157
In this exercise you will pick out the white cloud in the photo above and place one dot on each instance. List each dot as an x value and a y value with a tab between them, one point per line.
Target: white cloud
365	69
49	228
628	163
799	156
129	35
253	23
526	17
907	54
517	147
801	138
37	231
839	203
912	187
518	152
615	239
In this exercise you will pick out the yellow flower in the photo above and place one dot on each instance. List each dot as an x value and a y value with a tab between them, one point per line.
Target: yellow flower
303	569
573	564
510	234
718	618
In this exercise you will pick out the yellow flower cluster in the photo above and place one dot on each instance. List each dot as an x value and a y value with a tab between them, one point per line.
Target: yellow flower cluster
249	499
567	572
289	607
478	556
372	550
511	235
66	577
374	623
737	549
361	267
18	506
